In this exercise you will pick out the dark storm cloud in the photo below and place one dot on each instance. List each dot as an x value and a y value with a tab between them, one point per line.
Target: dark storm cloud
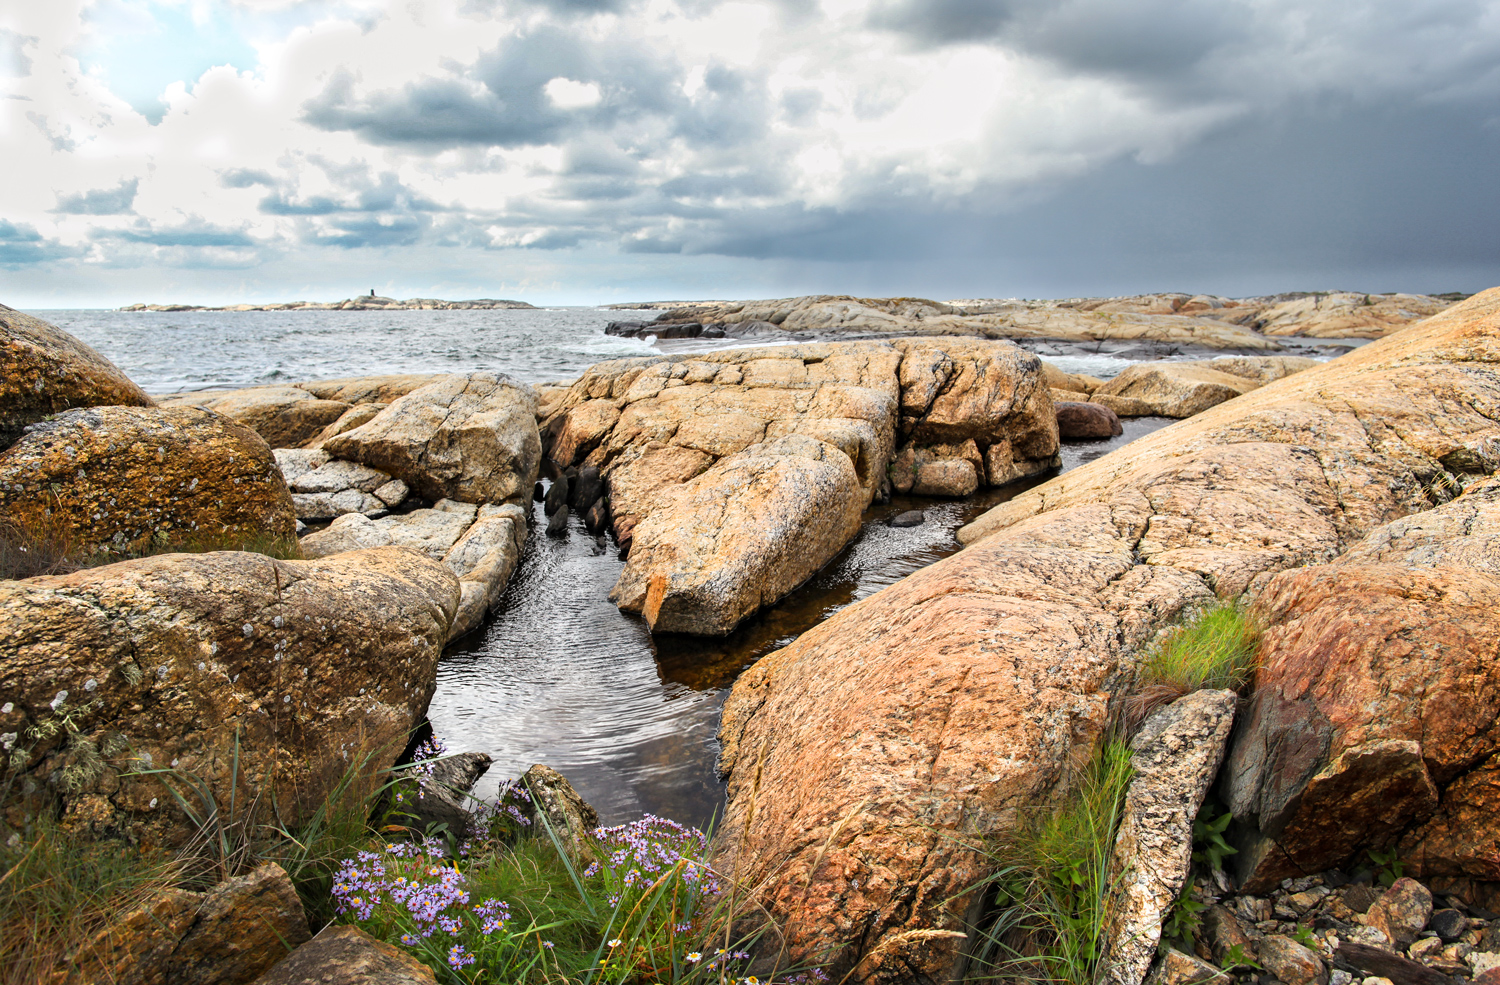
21	245
1285	202
100	201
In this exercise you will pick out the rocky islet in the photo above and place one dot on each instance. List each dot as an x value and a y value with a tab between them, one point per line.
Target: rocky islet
980	681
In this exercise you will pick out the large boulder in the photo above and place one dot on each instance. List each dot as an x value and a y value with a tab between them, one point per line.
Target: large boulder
44	371
741	536
127	476
1170	389
289	669
470	437
865	759
1371	720
285	416
227	935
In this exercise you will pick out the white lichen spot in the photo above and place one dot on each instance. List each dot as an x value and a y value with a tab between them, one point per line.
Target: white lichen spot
7	708
90	684
57	702
248	630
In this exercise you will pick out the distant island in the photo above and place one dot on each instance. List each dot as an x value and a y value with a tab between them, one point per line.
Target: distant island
365	302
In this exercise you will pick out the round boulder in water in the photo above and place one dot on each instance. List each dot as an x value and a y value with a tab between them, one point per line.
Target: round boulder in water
911	518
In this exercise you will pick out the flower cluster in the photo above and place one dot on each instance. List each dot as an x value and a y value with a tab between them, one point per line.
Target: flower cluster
504	817
411	895
636	854
424	760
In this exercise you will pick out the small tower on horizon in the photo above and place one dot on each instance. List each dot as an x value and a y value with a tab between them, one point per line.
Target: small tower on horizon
372	292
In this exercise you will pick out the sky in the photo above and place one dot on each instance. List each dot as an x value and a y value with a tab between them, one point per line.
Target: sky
591	151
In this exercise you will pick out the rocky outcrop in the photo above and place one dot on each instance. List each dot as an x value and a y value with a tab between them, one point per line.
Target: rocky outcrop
1181	319
45	371
480	545
363	302
1345	315
228	935
305	414
470	437
1175	756
1371	723
885	740
1182	389
123	477
285	416
199	662
697	450
348	956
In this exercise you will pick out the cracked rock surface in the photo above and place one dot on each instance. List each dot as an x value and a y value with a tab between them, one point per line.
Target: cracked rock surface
881	742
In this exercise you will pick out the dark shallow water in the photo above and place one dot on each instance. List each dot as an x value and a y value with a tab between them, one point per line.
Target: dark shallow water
560	676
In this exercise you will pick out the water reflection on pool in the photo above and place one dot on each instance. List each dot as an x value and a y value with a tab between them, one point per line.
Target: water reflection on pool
560	676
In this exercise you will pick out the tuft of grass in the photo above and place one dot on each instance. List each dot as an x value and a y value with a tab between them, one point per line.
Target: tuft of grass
1050	882
26	552
63	889
1216	649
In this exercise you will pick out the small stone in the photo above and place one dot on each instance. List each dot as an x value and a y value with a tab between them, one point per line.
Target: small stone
1457	952
557	496
1425	948
1373	980
1449	924
538	492
393	493
557	526
1177	968
1338	976
911	518
1403	911
1305	902
1483	961
1290	962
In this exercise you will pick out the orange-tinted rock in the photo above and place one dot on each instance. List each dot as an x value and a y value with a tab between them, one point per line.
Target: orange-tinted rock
348	956
1371	718
285	416
470	437
741	536
1175	389
955	390
44	371
881	743
127	476
302	664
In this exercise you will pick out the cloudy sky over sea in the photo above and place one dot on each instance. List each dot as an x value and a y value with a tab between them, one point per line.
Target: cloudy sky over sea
582	151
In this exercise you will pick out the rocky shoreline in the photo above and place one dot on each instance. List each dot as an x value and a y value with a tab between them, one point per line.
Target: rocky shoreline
1347	507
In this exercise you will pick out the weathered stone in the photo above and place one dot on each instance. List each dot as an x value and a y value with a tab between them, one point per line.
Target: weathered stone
225	936
741	536
297	462
1175	756
1086	421
393	493
1448	923
1058	379
348	956
586	489
1124	406
348	421
557	496
126	476
557	523
1261	369
432	532
570	817
202	660
484	558
369	389
1220	936
327	506
442	796
1290	962
597	517
1175	389
1402	913
45	371
920	719
945	477
1177	968
337	475
469	437
955	390
285	416
911	518
1377	662
1344	315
